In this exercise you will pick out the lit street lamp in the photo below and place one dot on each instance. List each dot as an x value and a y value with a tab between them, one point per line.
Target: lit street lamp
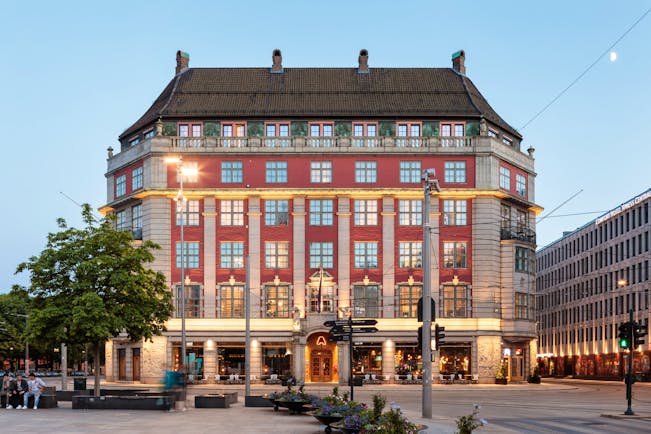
181	203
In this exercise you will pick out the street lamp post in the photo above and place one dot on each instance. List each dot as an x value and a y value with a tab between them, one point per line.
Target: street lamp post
181	202
429	184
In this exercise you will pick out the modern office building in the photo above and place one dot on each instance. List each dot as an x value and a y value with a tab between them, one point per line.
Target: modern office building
587	282
314	175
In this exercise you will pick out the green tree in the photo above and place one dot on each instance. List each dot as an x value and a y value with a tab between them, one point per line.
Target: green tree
13	307
91	284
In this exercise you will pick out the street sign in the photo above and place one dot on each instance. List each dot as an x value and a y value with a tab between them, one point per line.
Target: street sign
365	330
364	322
342	322
339	338
338	330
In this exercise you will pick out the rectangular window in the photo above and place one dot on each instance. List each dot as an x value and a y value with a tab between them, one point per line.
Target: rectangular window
524	260
149	134
193	301
190	135
364	135
455	213
320	172
277	136
191	213
521	305
231	254
276	172
231	212
233	135
410	212
365	172
136	221
366	254
322	255
455	172
231	301
366	212
454	301
232	172
136	178
455	254
408	296
410	172
506	218
321	212
321	135
366	301
505	178
520	184
452	134
323	302
276	300
190	254
120	185
276	212
121	223
408	135
410	254
276	254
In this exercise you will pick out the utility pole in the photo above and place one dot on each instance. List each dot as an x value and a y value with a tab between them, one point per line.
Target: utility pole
247	344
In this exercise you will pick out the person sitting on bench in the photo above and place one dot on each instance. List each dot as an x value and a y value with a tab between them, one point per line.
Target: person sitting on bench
35	388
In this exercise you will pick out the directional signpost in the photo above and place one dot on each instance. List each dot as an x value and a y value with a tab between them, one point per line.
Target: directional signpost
343	330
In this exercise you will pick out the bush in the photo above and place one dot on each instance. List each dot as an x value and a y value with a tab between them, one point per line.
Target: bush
467	424
535	377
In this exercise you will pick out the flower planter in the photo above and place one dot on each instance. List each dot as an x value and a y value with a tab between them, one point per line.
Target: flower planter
327	421
340	426
501	381
295	407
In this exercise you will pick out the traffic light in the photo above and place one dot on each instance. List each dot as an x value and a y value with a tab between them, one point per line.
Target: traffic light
419	309
639	333
420	337
625	335
439	336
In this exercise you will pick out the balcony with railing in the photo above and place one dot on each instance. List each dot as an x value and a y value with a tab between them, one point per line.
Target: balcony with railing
518	234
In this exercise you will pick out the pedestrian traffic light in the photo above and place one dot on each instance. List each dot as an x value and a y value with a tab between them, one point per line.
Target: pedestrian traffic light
639	333
420	337
625	335
439	336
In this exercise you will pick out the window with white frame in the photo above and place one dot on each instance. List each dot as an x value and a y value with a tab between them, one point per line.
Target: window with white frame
191	213
120	185
321	212
189	135
366	255
231	212
455	213
321	172
136	178
276	172
322	255
410	254
193	301
231	301
277	135
408	296
121	222
366	301
320	135
136	217
410	212
506	218
455	172
522	306
408	135
455	301
233	135
365	172
505	178
276	212
231	254
276	254
366	212
455	254
276	300
190	254
232	172
410	172
364	135
520	184
521	221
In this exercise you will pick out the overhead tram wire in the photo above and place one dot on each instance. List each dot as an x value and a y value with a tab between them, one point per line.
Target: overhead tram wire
542	110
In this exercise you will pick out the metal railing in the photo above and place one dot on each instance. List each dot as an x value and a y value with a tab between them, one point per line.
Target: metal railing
519	234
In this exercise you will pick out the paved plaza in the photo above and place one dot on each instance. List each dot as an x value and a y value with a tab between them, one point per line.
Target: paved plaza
552	407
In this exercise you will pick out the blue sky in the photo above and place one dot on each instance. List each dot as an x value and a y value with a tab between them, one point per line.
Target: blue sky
74	75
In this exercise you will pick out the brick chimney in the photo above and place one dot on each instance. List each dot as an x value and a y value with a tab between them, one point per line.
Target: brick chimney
277	58
182	61
458	62
363	62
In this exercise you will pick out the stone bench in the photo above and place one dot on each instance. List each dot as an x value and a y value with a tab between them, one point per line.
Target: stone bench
211	401
230	396
159	402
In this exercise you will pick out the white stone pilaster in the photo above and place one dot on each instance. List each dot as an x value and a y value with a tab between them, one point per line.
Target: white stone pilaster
210	256
343	250
255	250
298	250
388	257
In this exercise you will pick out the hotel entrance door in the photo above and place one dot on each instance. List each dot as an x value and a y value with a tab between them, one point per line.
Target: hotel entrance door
321	366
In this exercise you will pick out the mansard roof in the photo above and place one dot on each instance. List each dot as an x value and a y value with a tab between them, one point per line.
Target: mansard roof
323	93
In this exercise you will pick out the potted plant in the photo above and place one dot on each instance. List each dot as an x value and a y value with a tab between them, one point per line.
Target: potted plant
294	400
535	376
394	422
467	424
333	408
502	374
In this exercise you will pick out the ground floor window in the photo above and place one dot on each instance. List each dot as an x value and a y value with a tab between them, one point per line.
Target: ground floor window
276	360
230	360
455	360
367	359
407	359
193	359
